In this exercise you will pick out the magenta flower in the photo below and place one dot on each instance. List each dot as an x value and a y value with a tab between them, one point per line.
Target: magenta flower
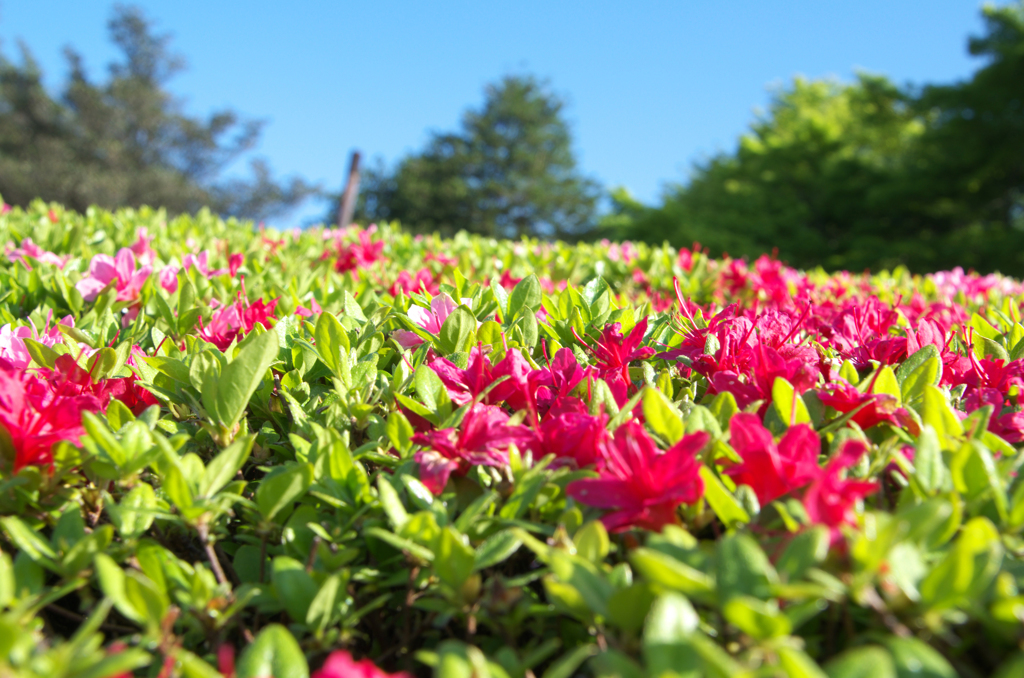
829	500
642	484
119	271
614	352
38	413
482	440
340	664
874	407
465	385
772	470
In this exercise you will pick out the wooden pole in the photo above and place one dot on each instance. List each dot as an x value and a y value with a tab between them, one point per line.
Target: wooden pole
347	206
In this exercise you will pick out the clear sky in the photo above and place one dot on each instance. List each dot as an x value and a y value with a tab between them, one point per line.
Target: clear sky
651	86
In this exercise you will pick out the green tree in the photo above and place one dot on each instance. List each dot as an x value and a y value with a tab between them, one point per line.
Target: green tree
509	171
866	174
127	142
807	179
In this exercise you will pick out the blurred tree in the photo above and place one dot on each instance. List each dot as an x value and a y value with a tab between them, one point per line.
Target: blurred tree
126	142
510	171
866	174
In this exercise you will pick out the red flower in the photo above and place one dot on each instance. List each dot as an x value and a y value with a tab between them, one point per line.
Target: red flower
235	262
642	483
574	435
341	665
874	407
482	440
829	500
772	470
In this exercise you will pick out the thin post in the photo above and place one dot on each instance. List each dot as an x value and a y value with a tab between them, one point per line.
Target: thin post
347	206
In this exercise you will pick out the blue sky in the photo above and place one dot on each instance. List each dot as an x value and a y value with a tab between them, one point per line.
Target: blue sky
651	86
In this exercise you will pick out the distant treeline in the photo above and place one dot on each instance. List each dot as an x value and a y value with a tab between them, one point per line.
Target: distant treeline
853	176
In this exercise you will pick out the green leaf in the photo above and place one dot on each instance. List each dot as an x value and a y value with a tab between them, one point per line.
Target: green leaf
295	588
282	487
454	560
665	570
456	330
42	355
661	416
225	465
326	603
756	618
671	624
743	568
929	468
862	662
915	659
391	503
240	379
805	550
788	403
136	511
7	586
331	341
592	542
566	665
275	653
496	549
526	295
922	368
723	503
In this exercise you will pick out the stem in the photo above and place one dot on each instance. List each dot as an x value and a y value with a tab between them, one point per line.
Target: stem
211	555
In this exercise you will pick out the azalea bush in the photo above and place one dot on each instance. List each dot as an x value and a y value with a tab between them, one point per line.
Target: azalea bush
333	453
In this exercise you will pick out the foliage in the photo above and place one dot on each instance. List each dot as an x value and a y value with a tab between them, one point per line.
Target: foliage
126	142
871	174
496	458
509	172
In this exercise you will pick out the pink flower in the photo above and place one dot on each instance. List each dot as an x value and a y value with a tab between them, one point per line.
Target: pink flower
360	255
30	249
169	279
228	322
12	343
642	483
409	283
314	309
482	440
120	271
201	264
141	249
465	385
772	470
341	665
431	320
235	262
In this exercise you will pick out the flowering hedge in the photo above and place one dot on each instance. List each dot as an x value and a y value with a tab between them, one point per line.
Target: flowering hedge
359	452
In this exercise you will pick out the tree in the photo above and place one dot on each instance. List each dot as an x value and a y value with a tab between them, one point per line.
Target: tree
127	142
510	171
867	174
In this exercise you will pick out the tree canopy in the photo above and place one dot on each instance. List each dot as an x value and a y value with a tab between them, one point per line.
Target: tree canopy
867	174
127	141
509	171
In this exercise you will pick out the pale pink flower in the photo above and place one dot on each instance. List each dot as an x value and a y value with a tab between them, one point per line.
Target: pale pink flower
30	249
105	270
